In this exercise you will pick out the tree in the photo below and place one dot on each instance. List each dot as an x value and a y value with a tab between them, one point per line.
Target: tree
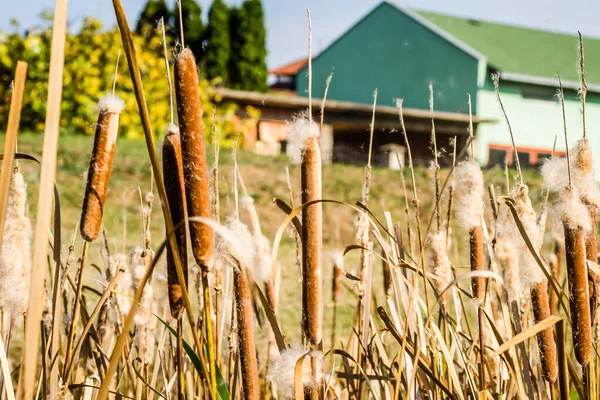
248	67
152	12
193	28
217	38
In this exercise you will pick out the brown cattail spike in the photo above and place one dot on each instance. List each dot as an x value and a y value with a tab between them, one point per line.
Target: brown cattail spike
100	166
312	236
591	250
195	171
477	261
174	183
541	311
578	288
246	339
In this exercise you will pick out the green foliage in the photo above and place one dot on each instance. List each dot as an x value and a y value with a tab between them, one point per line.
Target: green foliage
150	15
248	67
90	57
217	37
193	27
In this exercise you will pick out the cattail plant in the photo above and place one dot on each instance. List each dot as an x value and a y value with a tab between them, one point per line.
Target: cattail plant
15	254
145	321
583	174
442	267
304	137
532	278
174	183
238	246
193	156
197	188
468	202
282	372
562	177
100	166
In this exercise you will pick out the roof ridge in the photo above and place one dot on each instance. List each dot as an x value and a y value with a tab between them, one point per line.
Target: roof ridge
500	23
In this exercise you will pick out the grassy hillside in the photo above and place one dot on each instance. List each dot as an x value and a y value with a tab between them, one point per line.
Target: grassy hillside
265	179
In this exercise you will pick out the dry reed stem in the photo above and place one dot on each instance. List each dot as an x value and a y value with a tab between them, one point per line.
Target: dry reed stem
312	219
174	184
103	152
554	263
579	298
195	170
477	261
10	144
246	338
546	344
44	209
591	251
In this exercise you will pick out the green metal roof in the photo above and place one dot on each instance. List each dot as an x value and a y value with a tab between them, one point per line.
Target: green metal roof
523	54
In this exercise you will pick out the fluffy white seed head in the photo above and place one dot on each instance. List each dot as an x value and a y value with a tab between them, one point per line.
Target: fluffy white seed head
239	243
584	189
15	254
262	258
583	170
531	272
442	267
505	251
144	320
468	194
283	367
124	283
573	212
111	104
245	202
556	174
300	131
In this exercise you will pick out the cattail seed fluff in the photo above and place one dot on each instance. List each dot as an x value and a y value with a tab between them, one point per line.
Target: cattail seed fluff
193	154
100	166
282	370
175	188
144	320
468	199
442	267
15	254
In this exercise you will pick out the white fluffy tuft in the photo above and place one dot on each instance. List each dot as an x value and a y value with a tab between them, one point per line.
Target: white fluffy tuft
300	131
240	245
144	320
15	254
111	104
573	212
505	251
531	272
283	367
262	258
442	267
469	194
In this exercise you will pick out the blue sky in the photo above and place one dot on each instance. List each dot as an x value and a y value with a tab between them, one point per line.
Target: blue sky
286	19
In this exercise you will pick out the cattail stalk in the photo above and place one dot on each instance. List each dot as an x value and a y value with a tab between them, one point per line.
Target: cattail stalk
546	344
103	153
174	183
477	261
312	235
336	292
246	338
194	157
578	289
195	172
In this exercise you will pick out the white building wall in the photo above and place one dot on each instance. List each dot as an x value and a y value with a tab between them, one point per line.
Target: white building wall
534	123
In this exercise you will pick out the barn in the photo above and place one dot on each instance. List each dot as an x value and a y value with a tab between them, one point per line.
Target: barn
399	52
